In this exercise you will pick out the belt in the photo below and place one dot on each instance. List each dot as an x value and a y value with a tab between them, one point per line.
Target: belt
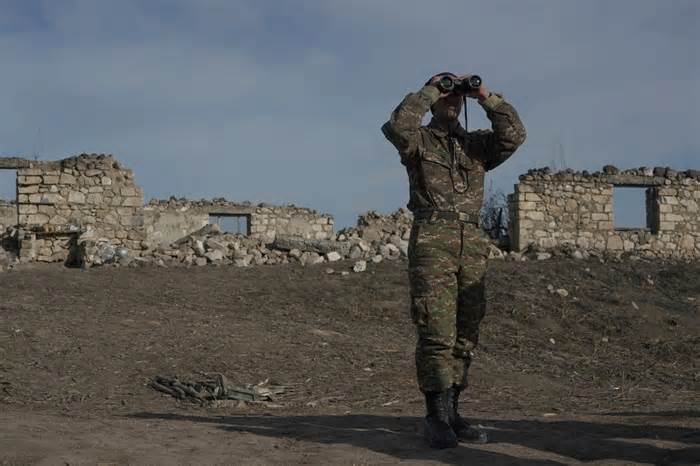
446	215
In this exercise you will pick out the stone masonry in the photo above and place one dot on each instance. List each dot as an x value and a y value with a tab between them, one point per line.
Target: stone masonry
62	204
575	209
58	201
169	220
8	215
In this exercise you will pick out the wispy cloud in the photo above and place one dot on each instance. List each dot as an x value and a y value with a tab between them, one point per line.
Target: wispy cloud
282	101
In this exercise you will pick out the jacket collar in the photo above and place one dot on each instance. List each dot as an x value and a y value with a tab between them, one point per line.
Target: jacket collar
442	130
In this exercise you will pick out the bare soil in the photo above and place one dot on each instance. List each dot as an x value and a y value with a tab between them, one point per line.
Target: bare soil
608	374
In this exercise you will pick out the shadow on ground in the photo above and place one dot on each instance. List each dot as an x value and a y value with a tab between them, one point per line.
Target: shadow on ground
399	437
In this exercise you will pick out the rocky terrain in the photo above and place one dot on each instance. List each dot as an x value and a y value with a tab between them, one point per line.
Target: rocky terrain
581	360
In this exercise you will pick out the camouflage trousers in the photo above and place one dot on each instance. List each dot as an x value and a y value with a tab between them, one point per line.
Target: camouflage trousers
447	262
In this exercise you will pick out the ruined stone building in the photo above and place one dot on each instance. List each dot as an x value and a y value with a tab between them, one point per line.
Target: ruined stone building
554	210
61	201
94	197
169	220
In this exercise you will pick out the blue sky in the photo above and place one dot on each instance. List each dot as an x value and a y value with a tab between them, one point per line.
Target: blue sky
282	101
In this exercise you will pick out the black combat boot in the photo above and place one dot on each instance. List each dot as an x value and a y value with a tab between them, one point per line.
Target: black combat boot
459	425
438	432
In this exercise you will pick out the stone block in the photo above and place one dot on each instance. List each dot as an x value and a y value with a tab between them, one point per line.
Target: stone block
58	220
524	188
37	219
76	197
671	217
27	209
46	209
132	202
333	256
670	200
110	219
94	198
92	172
30	172
27	180
66	178
687	243
106	181
50	179
614	243
28	189
534	215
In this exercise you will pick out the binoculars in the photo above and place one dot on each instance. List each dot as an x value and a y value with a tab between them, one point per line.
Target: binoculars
459	86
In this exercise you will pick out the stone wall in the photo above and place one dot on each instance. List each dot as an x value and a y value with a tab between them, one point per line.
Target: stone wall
575	209
8	215
169	220
57	201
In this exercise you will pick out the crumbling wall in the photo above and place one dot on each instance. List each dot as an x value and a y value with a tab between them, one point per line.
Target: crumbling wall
575	209
169	220
8	215
57	201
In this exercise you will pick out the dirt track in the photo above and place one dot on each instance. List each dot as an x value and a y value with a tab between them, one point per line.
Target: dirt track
607	374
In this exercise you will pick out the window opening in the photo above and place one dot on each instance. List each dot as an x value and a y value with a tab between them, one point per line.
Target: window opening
237	224
631	208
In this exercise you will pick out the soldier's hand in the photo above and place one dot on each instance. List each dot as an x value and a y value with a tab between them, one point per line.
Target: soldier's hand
481	93
435	80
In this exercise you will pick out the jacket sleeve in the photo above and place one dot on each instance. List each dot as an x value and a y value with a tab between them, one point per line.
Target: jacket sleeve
403	128
507	133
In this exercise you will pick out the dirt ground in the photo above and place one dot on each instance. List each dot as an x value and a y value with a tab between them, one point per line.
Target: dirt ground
607	374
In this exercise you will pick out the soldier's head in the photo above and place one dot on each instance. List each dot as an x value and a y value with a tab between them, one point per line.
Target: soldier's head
447	108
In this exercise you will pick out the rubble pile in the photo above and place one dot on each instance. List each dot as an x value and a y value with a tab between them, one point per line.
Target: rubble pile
376	238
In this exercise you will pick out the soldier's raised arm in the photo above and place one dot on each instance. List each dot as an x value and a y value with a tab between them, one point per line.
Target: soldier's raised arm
507	133
402	129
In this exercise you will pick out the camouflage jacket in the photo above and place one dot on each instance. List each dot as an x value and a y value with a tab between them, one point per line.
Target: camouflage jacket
446	167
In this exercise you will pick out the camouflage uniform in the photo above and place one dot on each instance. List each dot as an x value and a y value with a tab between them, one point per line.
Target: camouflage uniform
447	256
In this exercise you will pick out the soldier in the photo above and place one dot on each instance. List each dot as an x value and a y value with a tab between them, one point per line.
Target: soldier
447	249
